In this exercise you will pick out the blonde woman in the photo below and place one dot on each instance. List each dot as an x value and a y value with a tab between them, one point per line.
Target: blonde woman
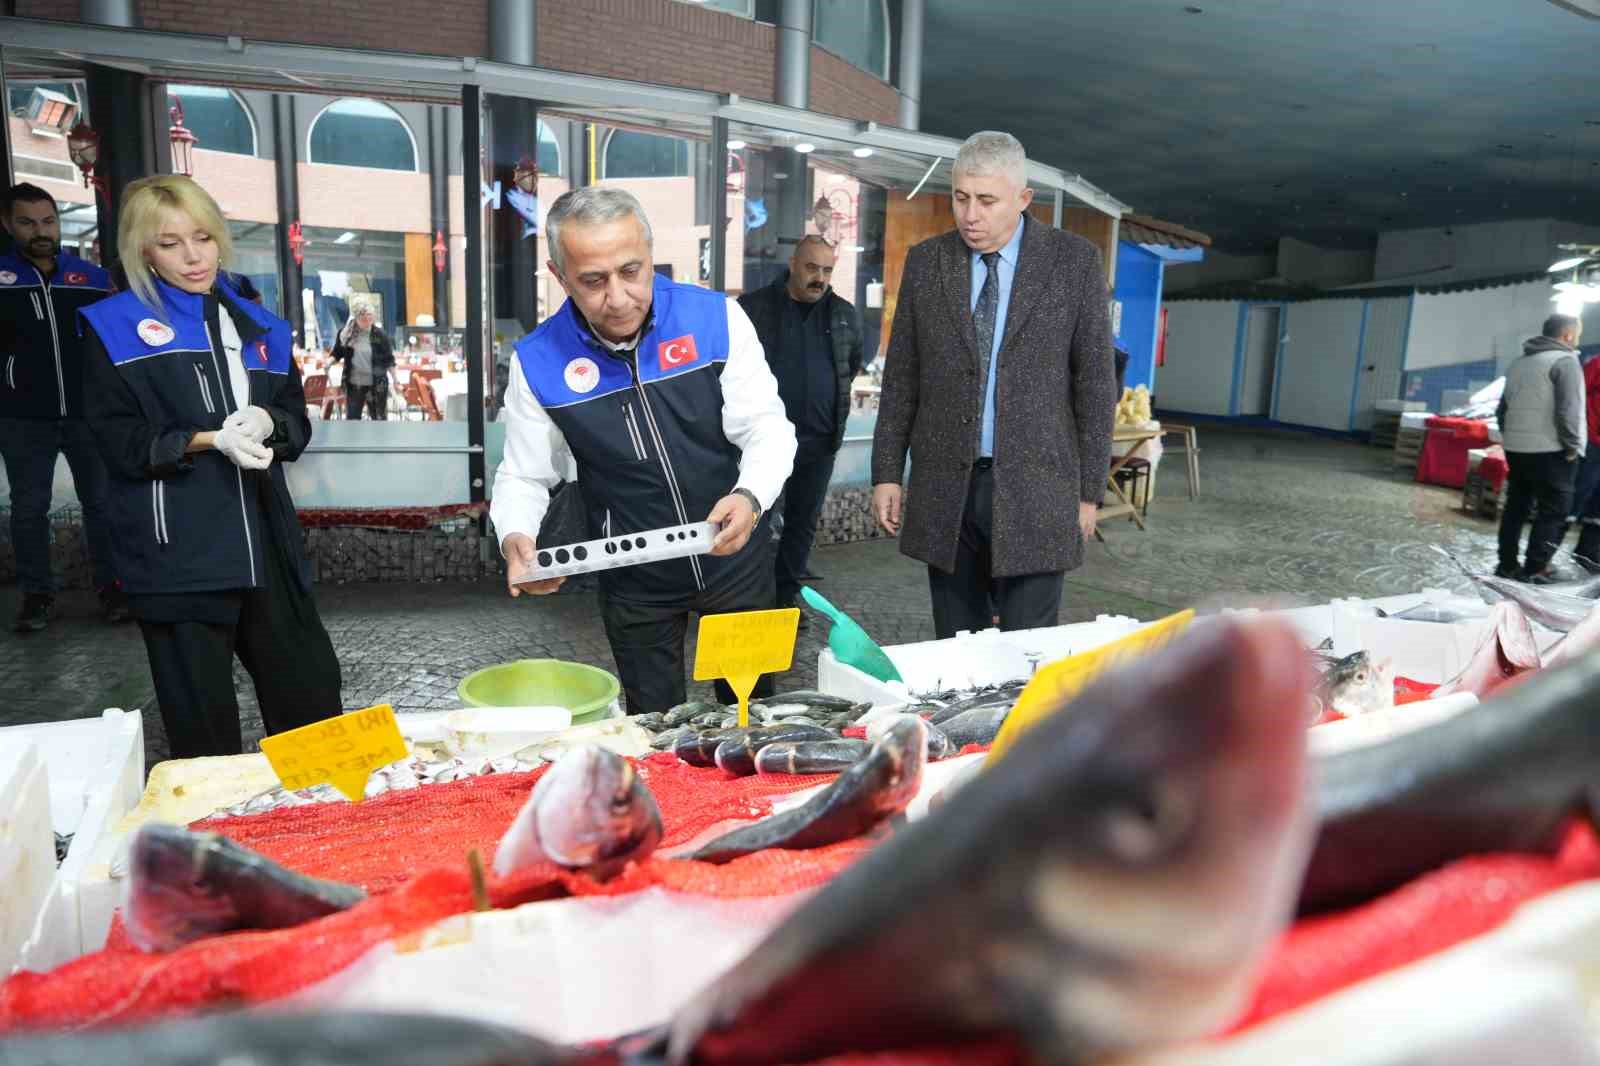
196	403
368	357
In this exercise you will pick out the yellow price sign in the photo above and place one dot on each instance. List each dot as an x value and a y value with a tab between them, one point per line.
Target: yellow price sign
739	648
1057	684
340	751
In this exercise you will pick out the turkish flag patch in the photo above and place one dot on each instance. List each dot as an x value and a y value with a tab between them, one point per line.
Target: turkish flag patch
680	351
261	351
76	278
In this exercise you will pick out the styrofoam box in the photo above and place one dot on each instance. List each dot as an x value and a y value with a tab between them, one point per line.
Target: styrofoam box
1398	406
968	660
27	845
96	774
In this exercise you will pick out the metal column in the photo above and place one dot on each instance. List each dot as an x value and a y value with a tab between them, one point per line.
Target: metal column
912	15
439	204
472	178
5	129
291	278
513	30
108	13
718	182
117	108
794	54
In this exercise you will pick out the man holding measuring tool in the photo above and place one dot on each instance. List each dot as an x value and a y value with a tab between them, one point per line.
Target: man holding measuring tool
660	395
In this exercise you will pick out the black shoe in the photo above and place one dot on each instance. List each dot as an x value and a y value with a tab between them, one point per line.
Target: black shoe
1545	576
1510	573
114	603
34	614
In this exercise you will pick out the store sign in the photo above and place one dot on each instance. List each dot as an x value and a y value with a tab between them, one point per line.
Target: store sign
739	648
1056	685
341	751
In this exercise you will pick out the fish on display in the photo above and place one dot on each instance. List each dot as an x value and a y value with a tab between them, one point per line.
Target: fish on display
182	886
939	744
875	788
1448	613
295	1038
668	738
684	712
1583	639
1111	886
655	722
818	701
1354	685
1503	776
980	725
699	747
1506	651
589	812
811	756
1553	610
737	754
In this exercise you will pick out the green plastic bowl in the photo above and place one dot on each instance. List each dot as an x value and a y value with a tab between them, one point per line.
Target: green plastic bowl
587	691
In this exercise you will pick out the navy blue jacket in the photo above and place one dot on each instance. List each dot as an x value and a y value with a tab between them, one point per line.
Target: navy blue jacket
41	350
192	523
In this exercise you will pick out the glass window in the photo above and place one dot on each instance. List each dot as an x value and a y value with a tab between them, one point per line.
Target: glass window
216	116
362	133
255	258
732	7
644	155
854	30
549	151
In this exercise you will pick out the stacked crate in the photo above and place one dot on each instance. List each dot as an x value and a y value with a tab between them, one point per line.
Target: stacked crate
1478	497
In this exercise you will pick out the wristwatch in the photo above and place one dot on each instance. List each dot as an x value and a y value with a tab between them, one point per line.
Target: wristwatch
755	504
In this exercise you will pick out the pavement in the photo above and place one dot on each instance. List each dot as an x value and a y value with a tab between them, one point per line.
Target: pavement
1283	519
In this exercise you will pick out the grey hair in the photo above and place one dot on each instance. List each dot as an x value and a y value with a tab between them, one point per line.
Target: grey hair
591	205
993	152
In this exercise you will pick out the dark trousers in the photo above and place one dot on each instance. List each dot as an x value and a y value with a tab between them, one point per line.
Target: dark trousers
1586	506
1540	484
801	507
30	447
279	638
374	399
966	598
647	638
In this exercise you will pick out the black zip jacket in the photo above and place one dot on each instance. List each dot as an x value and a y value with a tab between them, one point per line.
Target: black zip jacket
41	349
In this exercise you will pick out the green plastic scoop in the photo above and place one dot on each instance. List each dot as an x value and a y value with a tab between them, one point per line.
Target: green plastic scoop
850	642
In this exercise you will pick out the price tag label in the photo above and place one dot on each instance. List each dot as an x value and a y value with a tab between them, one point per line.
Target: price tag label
340	751
739	648
1057	684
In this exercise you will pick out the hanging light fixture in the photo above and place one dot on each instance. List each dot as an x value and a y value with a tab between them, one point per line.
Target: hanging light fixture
183	140
83	148
439	251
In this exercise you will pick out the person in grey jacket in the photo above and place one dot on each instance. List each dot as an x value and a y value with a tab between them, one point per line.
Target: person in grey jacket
1542	427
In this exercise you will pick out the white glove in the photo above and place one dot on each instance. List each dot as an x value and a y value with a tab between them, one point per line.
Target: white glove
244	451
250	421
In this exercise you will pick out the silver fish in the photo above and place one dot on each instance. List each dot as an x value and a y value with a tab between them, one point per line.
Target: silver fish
183	886
1507	649
589	812
811	756
1437	612
737	754
877	787
979	725
1355	685
1553	610
1111	888
684	712
1580	641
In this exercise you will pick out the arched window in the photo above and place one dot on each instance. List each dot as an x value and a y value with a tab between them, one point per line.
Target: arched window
355	132
549	152
216	116
645	155
854	30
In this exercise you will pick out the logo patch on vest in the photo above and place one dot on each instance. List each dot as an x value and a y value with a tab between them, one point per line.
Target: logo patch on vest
7	278
680	351
261	350
582	375
154	333
76	278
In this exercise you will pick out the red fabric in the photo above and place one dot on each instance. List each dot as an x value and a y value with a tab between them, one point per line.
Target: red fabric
1443	460
1409	691
1494	469
1473	429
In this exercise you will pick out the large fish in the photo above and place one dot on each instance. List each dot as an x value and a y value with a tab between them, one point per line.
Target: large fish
1553	610
283	1038
183	886
1502	776
940	745
876	787
811	756
588	812
1355	685
737	754
1506	651
980	725
1582	639
1111	885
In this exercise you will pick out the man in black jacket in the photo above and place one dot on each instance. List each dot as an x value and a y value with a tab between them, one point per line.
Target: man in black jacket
42	289
812	337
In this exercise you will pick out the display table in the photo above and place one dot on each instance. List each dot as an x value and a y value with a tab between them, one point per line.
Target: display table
1443	459
1126	442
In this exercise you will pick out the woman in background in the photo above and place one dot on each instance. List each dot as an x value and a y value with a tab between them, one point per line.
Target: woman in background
368	357
195	401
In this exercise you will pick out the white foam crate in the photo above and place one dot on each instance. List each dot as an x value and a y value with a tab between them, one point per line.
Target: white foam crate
96	775
968	660
27	846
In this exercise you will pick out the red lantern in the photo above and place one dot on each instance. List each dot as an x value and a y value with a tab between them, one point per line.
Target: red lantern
297	243
183	141
83	148
439	251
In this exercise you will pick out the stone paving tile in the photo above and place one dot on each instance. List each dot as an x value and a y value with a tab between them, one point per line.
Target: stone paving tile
1283	519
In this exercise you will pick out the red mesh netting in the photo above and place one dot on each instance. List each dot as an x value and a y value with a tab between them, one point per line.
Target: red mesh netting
1409	691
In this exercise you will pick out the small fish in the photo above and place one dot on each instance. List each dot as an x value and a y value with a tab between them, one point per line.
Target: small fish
1503	776
876	787
684	712
588	812
668	738
1447	613
1111	888
655	722
737	754
819	700
988	705
712	719
939	744
295	1038
811	756
699	748
1506	651
183	886
980	725
1354	685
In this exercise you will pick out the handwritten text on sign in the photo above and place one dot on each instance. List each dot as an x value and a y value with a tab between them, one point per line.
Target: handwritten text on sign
341	751
1057	684
741	647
